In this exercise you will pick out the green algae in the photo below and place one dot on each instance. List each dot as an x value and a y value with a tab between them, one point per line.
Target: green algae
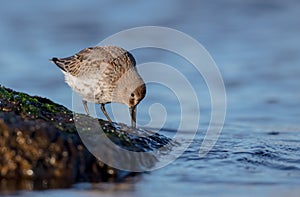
42	139
31	106
34	107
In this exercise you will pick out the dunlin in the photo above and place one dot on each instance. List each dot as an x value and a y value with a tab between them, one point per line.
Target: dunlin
103	75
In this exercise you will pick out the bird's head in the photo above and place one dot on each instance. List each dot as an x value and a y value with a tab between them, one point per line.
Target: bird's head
137	95
135	98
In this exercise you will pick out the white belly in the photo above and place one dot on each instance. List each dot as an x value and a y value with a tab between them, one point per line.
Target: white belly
91	89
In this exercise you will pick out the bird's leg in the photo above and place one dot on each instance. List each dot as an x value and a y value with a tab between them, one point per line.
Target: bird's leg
84	102
104	112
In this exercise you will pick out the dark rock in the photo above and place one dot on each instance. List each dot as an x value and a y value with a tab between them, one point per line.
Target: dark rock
39	142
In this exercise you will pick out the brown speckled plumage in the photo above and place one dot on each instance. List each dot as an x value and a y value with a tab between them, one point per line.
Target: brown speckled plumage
103	75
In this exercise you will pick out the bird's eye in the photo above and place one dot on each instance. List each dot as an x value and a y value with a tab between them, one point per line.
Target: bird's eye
132	94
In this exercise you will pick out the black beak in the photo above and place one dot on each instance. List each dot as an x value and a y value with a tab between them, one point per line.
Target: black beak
133	116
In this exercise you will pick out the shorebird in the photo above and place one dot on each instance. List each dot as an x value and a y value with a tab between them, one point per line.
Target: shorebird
104	74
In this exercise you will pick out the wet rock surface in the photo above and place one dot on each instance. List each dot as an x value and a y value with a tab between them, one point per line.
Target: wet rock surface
40	147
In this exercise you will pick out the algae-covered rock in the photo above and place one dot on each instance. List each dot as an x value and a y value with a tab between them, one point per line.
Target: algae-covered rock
39	142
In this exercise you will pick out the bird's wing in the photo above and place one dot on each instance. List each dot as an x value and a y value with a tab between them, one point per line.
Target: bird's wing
73	63
91	59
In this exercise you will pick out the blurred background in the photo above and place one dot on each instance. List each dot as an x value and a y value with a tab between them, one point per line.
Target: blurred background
254	43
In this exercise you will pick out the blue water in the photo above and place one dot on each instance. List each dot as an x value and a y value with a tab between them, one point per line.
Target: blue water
256	47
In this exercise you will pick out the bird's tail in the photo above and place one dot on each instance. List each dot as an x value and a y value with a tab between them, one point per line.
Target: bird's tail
59	63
